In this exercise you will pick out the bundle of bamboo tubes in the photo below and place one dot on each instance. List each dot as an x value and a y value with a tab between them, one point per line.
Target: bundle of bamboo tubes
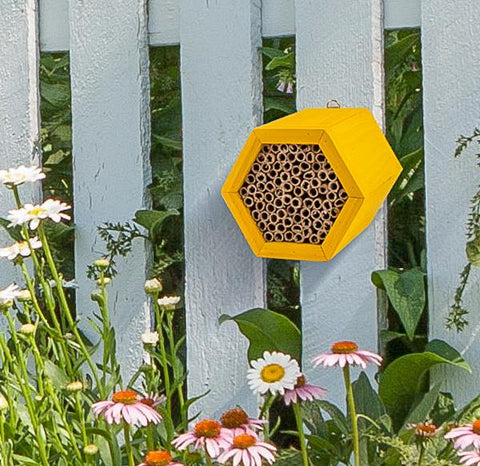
292	193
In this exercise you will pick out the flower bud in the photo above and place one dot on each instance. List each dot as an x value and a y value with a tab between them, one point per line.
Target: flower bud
103	281
101	263
473	251
153	286
3	403
24	296
169	302
27	329
75	386
5	304
150	338
96	296
90	449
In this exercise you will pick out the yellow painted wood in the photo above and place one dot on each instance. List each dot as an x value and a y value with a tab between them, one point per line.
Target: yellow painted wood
359	154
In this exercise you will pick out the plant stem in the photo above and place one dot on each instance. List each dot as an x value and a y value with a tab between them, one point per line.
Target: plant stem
128	445
66	309
208	459
301	434
421	455
265	413
353	414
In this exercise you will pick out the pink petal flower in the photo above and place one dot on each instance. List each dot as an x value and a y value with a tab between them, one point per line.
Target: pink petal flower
347	353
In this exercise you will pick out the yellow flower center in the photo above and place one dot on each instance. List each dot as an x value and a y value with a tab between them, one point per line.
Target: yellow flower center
208	428
272	373
127	397
232	418
23	244
36	211
476	426
244	441
158	458
344	347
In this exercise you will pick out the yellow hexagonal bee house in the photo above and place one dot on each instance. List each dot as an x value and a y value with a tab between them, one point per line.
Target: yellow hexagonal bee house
306	185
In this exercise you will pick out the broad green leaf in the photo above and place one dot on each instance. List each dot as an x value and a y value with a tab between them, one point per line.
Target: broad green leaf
267	331
444	350
169	142
403	381
421	412
284	104
152	219
285	61
57	376
337	416
271	52
386	336
399	49
367	400
406	292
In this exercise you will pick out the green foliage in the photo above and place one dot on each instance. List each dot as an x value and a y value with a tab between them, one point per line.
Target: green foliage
402	384
267	331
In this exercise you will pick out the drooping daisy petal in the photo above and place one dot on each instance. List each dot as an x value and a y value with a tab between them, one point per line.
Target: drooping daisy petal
275	372
20	175
126	406
22	248
247	450
8	295
303	392
347	353
207	435
465	436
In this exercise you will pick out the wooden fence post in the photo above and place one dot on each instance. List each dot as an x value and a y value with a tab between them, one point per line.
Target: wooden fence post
451	95
222	102
340	56
111	150
19	106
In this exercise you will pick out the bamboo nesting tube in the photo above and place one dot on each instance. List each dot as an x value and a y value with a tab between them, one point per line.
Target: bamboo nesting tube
249	201
268	196
243	191
268	236
296	202
278	236
261	177
323	175
331	196
281	214
339	203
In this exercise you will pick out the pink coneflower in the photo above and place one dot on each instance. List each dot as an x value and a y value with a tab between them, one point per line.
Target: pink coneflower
467	435
247	450
126	406
469	457
237	421
159	458
347	353
207	435
303	392
424	429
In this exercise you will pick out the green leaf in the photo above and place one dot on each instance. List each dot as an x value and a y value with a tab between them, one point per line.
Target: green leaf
406	292
420	413
271	52
285	61
281	103
153	220
386	336
367	400
267	331
445	351
57	376
169	142
403	381
337	416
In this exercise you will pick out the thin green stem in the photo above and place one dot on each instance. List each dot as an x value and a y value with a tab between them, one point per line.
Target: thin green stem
421	455
301	434
128	445
265	413
353	414
66	309
208	459
166	375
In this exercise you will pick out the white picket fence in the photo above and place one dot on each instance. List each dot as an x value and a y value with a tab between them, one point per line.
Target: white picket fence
339	47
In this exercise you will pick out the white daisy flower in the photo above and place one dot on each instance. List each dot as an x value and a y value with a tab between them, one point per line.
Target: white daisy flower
51	209
8	295
150	338
275	372
20	175
169	302
21	248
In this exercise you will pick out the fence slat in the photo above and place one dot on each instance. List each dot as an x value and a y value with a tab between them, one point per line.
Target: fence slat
451	66
19	105
110	113
222	102
339	55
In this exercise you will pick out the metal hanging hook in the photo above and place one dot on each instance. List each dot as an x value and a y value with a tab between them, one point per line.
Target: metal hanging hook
333	103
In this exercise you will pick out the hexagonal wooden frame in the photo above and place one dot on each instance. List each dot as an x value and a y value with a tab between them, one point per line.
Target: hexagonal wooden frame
359	154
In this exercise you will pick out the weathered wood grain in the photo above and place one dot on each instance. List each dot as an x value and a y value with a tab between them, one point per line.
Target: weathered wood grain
19	105
222	102
111	145
339	56
451	66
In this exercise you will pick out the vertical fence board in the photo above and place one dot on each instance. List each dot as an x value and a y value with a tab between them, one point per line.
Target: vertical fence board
221	92
451	66
19	104
110	112
339	55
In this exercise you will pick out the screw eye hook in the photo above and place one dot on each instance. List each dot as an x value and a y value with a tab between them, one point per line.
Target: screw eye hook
333	103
